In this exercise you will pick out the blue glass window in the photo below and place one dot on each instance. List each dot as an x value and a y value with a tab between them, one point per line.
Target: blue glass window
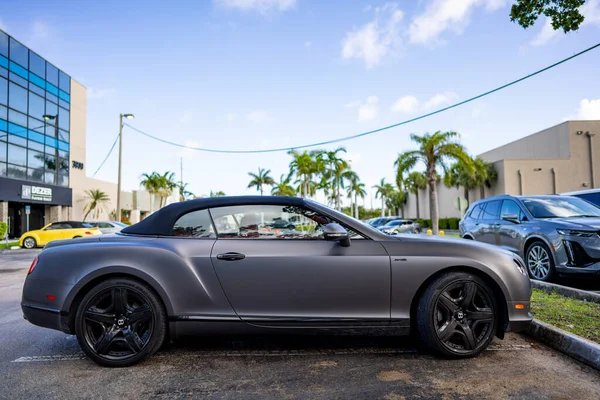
3	112
17	118
35	146
64	120
37	81
37	90
36	105
17	130
37	65
3	126
38	137
52	74
14	139
64	82
3	151
35	159
16	172
2	169
3	62
17	155
50	141
52	89
63	180
3	91
63	96
3	72
51	97
17	69
19	53
36	125
63	135
63	146
64	104
17	98
17	79
4	44
51	108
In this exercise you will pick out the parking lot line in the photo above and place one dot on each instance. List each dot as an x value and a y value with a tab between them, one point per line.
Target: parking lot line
267	353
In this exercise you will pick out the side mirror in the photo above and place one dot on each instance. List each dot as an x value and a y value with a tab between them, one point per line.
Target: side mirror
336	233
514	218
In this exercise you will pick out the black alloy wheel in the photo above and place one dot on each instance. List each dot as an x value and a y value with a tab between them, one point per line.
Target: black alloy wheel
456	316
120	322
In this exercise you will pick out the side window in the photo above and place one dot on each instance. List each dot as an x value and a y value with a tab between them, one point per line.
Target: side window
269	222
194	224
510	207
53	227
491	210
593	198
67	226
104	225
476	211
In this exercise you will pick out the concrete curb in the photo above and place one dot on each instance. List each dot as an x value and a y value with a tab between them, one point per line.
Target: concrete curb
572	345
567	291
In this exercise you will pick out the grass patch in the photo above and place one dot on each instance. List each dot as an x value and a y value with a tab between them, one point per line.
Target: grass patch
10	244
575	316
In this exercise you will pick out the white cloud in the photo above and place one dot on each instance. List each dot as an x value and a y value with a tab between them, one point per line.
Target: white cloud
442	15
588	109
352	104
591	12
307	44
545	35
406	105
96	93
258	117
440	99
261	6
231	117
368	110
377	39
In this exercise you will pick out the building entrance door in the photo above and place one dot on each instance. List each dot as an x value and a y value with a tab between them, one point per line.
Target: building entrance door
17	218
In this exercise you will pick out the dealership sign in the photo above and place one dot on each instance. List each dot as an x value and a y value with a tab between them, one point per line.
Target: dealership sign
36	193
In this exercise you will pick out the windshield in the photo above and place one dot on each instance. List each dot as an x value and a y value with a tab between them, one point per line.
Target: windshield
560	207
122	225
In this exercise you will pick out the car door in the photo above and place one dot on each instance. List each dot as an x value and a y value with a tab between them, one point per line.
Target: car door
283	276
510	233
489	220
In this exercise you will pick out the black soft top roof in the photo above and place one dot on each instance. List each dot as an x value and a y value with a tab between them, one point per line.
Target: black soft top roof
161	222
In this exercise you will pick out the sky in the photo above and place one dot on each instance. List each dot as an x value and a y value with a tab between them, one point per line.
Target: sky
259	74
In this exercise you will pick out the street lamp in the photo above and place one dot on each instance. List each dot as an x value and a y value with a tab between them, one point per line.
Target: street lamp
54	118
128	116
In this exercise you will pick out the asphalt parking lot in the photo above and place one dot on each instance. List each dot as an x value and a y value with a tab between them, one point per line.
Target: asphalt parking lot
41	363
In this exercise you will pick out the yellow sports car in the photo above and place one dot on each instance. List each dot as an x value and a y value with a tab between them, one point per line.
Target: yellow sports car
57	231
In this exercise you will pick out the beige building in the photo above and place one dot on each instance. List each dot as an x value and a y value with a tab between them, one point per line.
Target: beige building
556	160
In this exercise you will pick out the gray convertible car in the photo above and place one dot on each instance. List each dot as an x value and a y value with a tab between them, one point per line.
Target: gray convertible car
222	265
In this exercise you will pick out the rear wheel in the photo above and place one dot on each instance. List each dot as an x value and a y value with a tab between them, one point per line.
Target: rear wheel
29	243
120	322
456	315
540	264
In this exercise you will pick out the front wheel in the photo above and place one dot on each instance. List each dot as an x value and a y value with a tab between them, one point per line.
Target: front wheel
120	322
29	243
457	315
540	263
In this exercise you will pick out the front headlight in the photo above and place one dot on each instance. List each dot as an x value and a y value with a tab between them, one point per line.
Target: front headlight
578	233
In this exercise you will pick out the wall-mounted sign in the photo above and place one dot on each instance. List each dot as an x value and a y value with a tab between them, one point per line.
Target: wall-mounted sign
77	165
36	193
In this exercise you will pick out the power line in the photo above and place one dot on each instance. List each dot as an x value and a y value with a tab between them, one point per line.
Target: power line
108	155
375	130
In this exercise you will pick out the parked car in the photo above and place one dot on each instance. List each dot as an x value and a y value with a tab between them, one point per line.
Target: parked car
377	222
554	234
400	226
176	273
591	195
108	226
57	231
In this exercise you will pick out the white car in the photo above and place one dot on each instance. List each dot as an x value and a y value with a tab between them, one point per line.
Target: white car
108	226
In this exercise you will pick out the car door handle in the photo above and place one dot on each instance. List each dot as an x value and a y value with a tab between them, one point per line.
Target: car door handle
230	256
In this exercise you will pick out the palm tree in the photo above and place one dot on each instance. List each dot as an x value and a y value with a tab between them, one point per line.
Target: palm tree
219	193
396	199
337	172
96	201
151	182
183	192
477	174
283	188
159	185
414	182
435	151
489	175
305	167
260	179
383	190
356	190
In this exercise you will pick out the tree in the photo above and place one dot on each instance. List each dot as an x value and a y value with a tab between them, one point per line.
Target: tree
183	192
159	185
283	188
414	182
151	183
356	189
435	151
96	201
305	167
220	193
462	175
384	189
396	200
563	14
337	171
261	179
489	178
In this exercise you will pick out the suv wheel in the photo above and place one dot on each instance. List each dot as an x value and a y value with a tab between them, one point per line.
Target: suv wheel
540	263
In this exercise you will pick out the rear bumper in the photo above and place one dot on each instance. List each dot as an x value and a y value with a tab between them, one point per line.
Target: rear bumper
46	317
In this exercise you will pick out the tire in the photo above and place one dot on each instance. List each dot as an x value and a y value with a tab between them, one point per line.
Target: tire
472	323
120	322
538	252
29	243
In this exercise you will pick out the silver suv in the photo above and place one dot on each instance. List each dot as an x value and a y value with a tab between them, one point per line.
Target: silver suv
553	234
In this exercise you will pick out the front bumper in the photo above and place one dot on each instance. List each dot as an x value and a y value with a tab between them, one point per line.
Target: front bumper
518	319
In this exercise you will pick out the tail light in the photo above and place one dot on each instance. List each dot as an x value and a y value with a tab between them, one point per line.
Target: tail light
32	267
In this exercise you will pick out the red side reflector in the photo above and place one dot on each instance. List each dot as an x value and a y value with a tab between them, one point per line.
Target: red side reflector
33	264
50	297
519	306
88	232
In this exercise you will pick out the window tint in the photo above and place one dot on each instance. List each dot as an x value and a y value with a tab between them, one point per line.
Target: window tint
593	198
19	53
18	98
264	222
104	225
560	207
3	91
491	210
36	64
511	207
4	44
194	224
476	211
58	225
52	75
36	107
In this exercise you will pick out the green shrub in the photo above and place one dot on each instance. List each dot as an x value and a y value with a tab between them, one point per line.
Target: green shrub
3	229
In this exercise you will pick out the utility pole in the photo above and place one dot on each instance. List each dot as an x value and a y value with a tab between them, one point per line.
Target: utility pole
128	116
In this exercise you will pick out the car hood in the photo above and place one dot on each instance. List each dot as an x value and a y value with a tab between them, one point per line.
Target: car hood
577	223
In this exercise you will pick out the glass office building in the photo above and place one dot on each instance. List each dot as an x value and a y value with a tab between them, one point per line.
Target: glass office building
35	103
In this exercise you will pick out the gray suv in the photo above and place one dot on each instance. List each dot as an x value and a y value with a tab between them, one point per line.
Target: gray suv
553	234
